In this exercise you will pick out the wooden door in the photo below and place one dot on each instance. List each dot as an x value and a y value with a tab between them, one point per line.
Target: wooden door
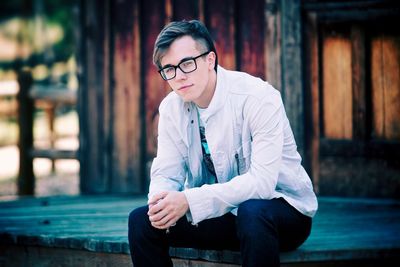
353	97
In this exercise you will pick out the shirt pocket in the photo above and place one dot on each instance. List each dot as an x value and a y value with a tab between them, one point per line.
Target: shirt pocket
242	158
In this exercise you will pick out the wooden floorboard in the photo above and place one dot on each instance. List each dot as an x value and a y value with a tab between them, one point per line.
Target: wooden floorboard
344	230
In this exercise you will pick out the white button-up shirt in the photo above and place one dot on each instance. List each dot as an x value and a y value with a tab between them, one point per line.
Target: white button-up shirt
251	144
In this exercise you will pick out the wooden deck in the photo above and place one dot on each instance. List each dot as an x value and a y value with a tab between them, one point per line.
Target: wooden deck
92	231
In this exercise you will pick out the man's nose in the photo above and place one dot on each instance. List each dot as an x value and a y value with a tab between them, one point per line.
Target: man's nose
179	74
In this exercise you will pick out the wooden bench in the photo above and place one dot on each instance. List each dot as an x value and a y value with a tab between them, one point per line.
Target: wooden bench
92	231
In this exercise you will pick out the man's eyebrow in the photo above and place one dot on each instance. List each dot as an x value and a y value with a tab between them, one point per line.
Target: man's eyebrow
184	59
167	66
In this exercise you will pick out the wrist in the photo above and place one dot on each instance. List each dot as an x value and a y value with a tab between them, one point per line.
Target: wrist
185	202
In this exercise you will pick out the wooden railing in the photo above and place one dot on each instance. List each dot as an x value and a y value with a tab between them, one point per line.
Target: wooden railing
29	96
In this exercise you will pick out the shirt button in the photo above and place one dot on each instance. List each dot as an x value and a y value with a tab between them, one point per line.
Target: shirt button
191	121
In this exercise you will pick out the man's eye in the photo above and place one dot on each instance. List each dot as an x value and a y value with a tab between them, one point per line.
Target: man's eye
169	70
187	64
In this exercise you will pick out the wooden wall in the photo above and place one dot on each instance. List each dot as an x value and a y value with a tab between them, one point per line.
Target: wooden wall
335	63
353	88
121	89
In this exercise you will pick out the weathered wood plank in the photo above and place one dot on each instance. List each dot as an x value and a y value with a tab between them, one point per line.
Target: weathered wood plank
53	154
251	37
359	79
337	92
183	9
19	256
126	101
93	97
15	256
221	24
292	75
382	176
331	6
60	95
26	178
154	88
344	229
272	43
312	99
347	148
385	69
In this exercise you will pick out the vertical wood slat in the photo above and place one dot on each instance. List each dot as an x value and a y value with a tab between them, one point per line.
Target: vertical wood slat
377	88
385	70
358	63
106	119
126	99
93	100
152	18
26	178
312	104
250	37
168	11
220	23
337	92
183	9
391	55
292	86
272	43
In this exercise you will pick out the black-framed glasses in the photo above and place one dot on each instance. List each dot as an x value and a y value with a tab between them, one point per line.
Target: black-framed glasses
187	65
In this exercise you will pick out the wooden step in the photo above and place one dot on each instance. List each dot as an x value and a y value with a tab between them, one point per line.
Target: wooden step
53	231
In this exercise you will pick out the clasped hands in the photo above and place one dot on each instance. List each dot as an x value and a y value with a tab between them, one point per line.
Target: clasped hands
166	208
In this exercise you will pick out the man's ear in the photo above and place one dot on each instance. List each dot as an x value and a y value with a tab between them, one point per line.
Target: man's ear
211	60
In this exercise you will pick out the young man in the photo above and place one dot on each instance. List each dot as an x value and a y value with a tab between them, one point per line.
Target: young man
227	173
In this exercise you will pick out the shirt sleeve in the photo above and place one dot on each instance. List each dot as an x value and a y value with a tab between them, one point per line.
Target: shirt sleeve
168	168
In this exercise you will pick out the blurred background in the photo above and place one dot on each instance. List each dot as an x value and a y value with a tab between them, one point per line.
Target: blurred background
38	36
79	94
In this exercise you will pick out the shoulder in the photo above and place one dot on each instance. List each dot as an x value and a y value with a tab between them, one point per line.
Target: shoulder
254	89
172	103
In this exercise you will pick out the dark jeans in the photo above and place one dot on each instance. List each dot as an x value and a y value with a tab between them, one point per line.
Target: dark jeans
260	231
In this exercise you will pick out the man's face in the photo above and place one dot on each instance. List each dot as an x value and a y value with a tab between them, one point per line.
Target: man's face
195	86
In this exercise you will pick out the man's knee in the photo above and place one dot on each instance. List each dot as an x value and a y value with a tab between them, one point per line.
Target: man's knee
253	216
138	220
137	215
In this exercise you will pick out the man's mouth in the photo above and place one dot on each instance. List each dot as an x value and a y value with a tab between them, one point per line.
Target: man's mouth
185	87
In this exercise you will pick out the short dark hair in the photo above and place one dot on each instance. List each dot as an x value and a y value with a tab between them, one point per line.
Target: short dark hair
177	29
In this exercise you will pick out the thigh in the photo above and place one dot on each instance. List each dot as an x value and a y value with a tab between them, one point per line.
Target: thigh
216	233
291	226
294	229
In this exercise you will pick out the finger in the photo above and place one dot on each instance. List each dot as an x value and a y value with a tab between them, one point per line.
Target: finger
158	216
156	198
162	220
164	223
150	206
158	227
156	208
154	201
167	221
